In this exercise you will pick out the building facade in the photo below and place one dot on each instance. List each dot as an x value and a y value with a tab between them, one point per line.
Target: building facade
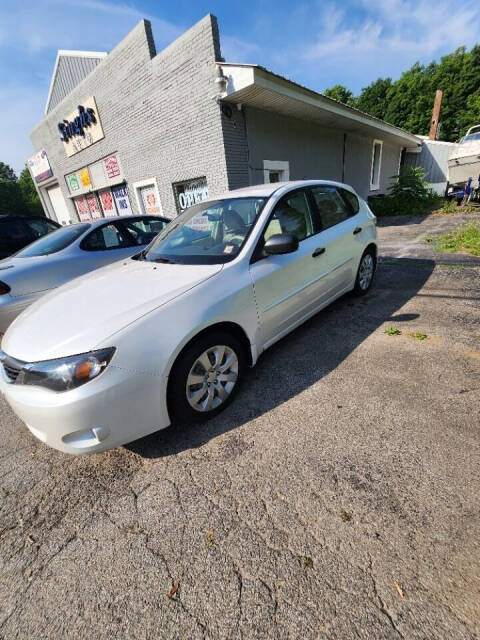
137	131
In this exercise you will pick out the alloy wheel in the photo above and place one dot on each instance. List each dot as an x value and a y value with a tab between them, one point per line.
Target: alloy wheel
365	272
212	378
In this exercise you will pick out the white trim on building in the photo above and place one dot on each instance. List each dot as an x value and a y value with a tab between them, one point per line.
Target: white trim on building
376	166
280	167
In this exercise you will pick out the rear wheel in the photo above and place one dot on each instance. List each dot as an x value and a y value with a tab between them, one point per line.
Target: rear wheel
205	377
365	273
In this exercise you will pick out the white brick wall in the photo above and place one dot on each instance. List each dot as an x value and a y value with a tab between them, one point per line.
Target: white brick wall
157	112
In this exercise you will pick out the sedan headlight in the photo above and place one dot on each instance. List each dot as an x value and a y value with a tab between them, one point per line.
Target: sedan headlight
62	374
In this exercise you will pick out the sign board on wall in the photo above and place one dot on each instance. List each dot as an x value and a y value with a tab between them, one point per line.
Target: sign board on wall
111	166
85	177
108	205
72	181
39	166
150	200
81	128
190	192
122	201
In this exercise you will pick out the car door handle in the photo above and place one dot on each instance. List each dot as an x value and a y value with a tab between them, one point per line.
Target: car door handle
318	252
357	230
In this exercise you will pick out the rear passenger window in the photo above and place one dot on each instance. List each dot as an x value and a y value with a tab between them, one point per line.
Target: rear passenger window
351	199
292	215
332	207
104	238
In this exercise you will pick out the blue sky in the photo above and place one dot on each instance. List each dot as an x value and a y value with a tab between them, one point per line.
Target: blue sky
316	43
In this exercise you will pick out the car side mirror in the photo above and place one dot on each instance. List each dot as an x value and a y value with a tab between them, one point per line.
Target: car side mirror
281	243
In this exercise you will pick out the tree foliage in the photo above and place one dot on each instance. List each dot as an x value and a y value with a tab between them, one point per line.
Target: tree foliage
408	101
18	196
340	93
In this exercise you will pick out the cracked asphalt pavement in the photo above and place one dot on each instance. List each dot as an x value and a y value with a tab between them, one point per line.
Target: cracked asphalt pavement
337	498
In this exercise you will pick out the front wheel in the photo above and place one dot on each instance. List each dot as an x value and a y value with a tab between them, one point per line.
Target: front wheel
365	273
206	377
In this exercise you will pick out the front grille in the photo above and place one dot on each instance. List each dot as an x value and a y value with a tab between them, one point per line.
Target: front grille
12	367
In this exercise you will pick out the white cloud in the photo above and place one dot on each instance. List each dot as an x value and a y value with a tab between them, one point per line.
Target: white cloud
35	35
388	37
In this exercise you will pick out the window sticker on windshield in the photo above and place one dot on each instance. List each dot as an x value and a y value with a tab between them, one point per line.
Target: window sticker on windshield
229	248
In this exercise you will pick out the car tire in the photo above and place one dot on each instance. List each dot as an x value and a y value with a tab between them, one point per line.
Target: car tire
365	273
197	392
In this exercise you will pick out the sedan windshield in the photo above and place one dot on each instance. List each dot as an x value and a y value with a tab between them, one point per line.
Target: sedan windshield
53	242
207	233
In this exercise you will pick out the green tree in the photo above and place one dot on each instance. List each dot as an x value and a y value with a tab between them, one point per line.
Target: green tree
29	193
7	173
374	98
340	93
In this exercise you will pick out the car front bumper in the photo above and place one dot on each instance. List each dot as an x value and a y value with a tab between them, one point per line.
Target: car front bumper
117	407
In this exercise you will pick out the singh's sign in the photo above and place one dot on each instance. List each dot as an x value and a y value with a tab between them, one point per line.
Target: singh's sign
81	128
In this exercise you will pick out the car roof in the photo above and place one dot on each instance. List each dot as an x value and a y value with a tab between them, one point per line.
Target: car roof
13	215
267	190
99	221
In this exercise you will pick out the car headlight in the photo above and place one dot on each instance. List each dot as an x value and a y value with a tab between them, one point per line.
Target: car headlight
63	374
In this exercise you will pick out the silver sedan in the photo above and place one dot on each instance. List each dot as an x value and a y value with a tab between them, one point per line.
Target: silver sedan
67	253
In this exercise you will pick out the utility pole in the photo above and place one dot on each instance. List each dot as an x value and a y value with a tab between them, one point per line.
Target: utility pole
435	115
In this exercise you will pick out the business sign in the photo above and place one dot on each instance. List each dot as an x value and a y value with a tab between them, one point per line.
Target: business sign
39	166
93	205
108	205
120	195
81	128
150	200
111	166
85	177
82	209
190	193
73	182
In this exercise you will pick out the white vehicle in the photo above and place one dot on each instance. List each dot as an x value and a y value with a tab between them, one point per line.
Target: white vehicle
167	335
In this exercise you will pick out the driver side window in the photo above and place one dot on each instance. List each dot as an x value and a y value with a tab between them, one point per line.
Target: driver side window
291	215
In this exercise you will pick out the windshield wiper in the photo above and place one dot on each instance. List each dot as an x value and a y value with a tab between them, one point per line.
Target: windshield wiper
165	261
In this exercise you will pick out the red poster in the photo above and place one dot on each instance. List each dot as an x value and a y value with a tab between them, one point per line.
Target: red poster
108	206
93	206
82	209
111	166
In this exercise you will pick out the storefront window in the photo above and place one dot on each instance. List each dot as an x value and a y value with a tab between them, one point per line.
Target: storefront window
190	192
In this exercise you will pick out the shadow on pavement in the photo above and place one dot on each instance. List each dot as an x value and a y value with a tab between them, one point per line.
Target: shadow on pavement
304	356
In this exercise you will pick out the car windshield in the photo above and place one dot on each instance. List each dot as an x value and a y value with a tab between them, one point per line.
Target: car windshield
53	242
207	233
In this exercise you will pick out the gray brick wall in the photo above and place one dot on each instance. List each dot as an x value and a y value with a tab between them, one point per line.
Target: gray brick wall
157	113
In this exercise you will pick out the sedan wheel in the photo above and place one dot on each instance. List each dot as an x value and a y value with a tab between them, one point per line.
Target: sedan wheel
212	378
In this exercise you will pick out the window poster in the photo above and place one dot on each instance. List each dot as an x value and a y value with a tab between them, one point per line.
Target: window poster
150	200
120	194
108	204
82	209
93	206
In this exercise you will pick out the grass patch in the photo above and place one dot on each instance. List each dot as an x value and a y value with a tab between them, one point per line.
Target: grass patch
450	206
465	239
393	331
420	336
307	562
209	538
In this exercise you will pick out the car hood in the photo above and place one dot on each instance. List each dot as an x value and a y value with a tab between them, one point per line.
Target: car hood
84	312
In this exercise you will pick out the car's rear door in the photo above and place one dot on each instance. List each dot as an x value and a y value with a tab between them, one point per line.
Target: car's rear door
341	235
288	287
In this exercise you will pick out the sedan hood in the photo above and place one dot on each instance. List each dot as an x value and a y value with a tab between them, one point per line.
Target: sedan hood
84	312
